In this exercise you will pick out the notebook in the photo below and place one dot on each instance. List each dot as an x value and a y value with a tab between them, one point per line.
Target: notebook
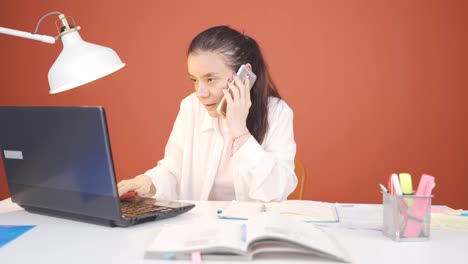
268	234
58	162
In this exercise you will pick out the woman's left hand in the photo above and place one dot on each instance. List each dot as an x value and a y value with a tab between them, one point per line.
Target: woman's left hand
238	105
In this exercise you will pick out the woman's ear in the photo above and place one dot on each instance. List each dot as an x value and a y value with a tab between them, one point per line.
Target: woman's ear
249	66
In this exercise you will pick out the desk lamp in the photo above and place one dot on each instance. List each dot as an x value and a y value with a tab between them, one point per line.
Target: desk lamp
80	62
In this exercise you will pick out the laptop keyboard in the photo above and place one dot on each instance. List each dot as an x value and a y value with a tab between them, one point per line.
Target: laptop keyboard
130	209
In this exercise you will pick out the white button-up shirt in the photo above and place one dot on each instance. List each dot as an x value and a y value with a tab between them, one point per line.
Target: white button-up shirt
260	172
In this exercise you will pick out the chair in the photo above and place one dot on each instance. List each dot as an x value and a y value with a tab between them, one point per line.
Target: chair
301	178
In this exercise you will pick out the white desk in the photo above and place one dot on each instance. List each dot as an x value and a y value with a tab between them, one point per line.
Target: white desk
56	240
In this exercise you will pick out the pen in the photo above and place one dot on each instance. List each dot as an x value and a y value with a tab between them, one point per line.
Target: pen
396	184
169	255
401	208
454	212
344	205
382	188
243	232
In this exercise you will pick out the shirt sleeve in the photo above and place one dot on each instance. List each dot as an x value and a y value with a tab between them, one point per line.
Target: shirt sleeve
266	172
166	174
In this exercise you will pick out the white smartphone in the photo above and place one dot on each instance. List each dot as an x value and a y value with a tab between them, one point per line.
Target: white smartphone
242	73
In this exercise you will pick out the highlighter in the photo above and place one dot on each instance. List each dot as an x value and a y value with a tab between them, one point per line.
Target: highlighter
406	183
406	187
420	208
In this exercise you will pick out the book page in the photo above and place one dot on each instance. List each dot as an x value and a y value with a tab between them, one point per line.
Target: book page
241	210
308	211
272	232
181	240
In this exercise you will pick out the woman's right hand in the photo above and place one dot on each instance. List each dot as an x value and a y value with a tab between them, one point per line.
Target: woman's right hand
142	185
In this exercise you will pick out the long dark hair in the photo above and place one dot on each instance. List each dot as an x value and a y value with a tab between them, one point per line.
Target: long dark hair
240	49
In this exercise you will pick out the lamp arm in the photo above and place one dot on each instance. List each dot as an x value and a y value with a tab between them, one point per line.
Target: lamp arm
28	35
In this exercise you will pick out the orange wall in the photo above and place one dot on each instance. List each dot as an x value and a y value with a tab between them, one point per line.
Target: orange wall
376	86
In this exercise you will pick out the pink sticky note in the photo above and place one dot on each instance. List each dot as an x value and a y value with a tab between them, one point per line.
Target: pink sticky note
196	257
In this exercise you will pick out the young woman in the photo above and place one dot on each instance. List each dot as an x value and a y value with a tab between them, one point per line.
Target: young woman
246	155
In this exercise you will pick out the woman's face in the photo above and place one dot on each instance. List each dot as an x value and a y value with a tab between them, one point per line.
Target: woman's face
209	73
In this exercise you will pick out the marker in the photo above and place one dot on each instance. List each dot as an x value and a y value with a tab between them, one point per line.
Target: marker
406	187
406	183
420	206
391	190
396	184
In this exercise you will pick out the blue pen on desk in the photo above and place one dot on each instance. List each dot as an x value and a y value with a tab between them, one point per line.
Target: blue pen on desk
168	255
243	232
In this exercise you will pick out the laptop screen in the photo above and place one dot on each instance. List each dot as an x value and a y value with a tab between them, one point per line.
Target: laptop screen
59	158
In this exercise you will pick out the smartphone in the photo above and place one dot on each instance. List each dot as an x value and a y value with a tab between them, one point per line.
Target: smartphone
242	73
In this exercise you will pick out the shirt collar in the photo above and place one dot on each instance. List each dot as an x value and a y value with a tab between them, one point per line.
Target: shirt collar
209	122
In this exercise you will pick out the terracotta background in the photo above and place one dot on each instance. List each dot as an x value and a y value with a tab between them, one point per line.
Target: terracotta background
376	86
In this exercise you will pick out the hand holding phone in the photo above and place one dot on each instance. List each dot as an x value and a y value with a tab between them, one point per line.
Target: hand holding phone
242	73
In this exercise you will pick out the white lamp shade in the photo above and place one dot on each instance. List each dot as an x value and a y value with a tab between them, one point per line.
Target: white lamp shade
81	62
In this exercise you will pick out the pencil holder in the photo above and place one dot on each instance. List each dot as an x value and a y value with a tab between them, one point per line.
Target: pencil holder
406	217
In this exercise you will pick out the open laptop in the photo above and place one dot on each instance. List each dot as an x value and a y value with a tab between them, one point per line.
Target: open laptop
58	162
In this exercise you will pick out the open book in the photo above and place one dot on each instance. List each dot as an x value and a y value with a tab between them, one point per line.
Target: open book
266	233
307	211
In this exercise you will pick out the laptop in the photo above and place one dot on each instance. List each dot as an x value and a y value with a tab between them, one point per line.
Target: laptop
58	162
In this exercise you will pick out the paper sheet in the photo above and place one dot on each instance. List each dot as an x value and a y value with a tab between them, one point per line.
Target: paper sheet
450	222
360	216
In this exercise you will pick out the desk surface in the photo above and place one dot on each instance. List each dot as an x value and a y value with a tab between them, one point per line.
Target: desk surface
56	240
